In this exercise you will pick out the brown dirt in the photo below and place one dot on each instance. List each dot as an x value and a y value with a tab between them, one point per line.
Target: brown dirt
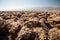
29	25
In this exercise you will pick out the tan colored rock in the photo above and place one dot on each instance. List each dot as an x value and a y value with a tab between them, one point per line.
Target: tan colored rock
54	34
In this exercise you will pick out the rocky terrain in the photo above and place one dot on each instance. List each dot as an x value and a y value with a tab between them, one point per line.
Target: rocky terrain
29	25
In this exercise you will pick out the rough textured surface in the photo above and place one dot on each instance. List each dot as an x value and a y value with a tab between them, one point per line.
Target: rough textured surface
29	25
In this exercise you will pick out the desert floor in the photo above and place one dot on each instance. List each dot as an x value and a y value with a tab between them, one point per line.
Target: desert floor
30	25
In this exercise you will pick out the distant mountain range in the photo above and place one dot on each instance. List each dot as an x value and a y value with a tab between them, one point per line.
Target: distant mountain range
36	8
45	8
42	8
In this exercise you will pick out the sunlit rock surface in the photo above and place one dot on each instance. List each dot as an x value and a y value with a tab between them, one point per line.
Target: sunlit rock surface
30	25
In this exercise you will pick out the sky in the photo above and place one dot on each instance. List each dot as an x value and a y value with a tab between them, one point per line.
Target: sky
26	4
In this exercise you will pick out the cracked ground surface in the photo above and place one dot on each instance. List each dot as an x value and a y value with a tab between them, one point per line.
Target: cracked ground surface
29	25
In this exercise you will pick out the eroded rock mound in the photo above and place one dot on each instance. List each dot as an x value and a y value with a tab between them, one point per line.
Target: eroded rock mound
29	25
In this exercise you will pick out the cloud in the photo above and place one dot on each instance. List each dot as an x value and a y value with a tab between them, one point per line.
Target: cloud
24	4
